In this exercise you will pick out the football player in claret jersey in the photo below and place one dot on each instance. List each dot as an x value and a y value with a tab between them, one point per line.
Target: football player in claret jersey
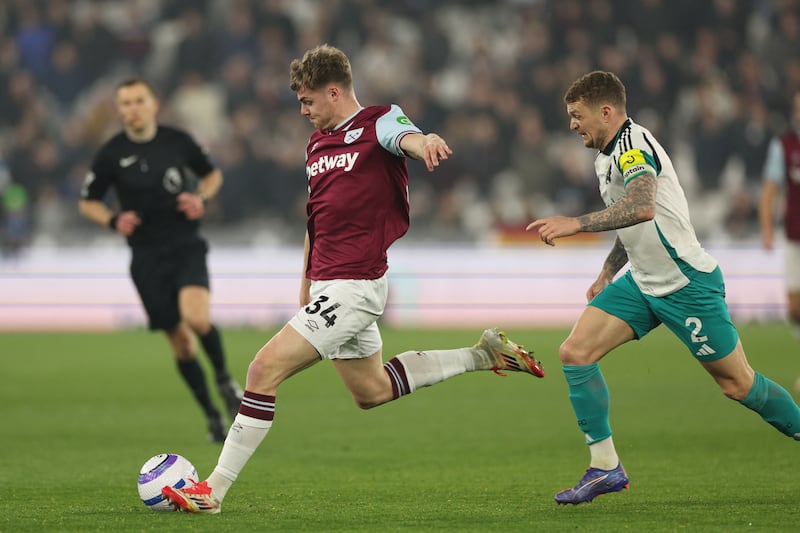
782	170
671	280
147	166
357	207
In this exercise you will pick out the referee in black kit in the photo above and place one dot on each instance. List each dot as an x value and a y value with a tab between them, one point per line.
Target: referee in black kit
147	164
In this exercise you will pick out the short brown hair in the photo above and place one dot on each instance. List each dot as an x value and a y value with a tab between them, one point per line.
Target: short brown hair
597	87
130	82
320	66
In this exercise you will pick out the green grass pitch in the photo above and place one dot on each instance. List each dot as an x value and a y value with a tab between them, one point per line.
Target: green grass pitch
80	413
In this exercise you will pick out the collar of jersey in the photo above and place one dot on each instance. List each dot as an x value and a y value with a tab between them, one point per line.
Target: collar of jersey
610	146
345	121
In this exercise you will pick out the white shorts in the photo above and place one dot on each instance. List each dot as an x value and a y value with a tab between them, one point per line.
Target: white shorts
340	322
792	266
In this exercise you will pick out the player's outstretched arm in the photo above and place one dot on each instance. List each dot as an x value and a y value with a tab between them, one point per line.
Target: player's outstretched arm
638	205
430	148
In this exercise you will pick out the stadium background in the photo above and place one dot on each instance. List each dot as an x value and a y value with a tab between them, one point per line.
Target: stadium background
711	79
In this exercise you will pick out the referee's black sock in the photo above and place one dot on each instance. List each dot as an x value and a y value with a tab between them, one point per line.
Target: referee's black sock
194	377
212	345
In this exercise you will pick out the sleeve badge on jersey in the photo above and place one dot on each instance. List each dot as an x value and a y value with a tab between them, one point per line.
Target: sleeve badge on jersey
352	135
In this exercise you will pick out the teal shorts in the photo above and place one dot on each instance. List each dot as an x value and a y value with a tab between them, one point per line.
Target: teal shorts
697	313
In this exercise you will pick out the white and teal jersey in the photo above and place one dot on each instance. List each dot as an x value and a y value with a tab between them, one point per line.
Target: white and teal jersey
663	252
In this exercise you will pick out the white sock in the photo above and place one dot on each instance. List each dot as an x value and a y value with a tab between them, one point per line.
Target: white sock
604	456
483	359
427	368
244	436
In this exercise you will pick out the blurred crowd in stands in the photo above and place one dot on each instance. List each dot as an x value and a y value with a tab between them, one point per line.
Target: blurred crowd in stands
710	78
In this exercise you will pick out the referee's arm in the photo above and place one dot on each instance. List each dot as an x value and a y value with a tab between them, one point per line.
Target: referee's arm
210	185
192	205
96	211
124	223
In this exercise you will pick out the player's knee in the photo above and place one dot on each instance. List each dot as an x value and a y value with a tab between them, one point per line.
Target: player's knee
198	324
263	373
572	352
259	367
182	345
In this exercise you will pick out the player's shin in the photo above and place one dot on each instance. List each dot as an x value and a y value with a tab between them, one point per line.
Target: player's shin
412	370
775	406
249	428
588	394
212	346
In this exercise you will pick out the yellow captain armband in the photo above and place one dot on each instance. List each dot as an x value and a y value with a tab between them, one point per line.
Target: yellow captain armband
633	163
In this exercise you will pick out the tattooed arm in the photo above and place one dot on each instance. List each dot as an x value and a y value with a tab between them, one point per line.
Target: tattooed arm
617	258
638	205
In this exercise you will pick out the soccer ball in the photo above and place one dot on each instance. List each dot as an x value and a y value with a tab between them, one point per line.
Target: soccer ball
161	470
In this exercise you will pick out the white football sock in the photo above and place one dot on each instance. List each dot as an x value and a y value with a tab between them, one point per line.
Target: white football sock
244	436
604	456
426	368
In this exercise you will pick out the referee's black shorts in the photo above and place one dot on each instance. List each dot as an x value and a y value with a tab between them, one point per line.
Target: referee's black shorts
159	273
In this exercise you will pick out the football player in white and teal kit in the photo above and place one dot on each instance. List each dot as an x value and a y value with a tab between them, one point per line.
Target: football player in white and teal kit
671	280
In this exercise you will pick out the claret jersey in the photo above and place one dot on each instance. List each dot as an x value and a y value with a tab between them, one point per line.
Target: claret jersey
147	178
358	194
663	252
783	167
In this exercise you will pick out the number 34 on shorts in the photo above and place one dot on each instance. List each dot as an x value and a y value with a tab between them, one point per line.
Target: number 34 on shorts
324	308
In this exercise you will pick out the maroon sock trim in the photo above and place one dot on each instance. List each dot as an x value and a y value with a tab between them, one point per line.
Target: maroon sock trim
398	377
260	406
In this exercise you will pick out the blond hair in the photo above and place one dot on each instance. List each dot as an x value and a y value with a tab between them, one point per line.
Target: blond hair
321	66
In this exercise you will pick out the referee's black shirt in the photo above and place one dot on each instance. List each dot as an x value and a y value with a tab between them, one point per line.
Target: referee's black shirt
147	178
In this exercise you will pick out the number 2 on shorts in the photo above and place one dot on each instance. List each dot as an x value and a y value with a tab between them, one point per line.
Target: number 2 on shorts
695	322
